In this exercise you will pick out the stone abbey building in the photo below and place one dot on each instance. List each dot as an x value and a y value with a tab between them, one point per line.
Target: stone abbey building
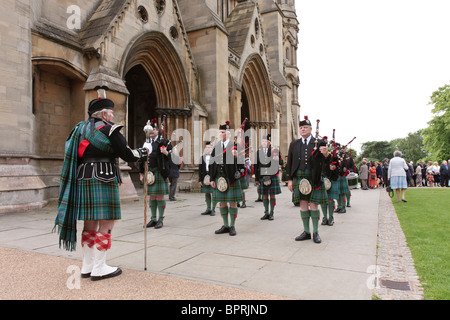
199	62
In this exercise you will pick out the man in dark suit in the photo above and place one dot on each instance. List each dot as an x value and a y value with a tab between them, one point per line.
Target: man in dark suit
226	171
267	168
306	158
444	174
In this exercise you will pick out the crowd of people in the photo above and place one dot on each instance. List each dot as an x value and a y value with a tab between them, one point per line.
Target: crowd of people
373	174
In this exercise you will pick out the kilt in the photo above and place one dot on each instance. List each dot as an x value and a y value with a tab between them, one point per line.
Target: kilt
273	189
98	200
206	189
316	196
244	183
160	187
335	190
233	194
343	186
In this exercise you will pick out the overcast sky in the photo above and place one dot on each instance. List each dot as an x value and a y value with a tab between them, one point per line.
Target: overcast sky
368	68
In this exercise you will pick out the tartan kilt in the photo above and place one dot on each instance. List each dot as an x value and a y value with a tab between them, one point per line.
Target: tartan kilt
98	200
233	194
244	184
335	190
160	187
273	189
206	189
343	186
316	196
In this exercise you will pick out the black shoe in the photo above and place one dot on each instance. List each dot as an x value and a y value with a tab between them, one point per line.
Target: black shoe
331	222
152	223
404	200
258	200
223	230
238	205
212	213
316	238
324	221
232	231
303	236
244	205
206	212
265	216
348	205
271	217
107	276
342	210
159	224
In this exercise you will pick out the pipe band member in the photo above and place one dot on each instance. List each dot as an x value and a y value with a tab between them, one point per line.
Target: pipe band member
89	189
304	166
226	171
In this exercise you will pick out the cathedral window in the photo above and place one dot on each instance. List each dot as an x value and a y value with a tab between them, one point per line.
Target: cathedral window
143	14
160	6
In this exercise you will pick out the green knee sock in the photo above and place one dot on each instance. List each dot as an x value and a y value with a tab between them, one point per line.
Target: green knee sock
272	206
224	213
315	216
243	201
325	210
305	218
233	216
208	201
341	202
153	208
266	205
331	209
161	208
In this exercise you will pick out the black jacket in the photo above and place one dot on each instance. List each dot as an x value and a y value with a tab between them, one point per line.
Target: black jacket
314	162
202	168
265	164
223	161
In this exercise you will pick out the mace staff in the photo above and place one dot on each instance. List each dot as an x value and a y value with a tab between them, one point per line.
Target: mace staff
148	129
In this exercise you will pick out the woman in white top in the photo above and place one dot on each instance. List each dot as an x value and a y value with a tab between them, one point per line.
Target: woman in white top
436	174
397	175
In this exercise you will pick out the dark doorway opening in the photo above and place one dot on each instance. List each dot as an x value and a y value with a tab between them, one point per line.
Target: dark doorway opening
142	105
245	114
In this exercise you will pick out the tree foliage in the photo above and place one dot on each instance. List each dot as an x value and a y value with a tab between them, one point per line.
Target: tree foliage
437	135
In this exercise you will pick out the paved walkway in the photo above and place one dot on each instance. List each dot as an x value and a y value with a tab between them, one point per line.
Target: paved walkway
186	260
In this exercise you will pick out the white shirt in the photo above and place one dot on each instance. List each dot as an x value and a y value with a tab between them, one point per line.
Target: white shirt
307	139
207	158
397	167
224	144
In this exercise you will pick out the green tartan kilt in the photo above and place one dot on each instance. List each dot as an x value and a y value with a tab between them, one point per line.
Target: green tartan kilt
316	196
273	189
335	190
160	187
244	184
206	189
98	200
343	186
233	194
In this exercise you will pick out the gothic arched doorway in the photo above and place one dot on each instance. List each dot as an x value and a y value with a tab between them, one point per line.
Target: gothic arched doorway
142	104
157	82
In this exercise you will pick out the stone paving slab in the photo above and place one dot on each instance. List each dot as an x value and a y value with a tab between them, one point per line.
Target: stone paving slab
262	259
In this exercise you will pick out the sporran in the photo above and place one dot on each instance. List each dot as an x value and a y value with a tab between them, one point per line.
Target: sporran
222	184
305	187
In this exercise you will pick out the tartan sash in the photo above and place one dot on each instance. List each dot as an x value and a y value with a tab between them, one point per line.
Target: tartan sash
66	219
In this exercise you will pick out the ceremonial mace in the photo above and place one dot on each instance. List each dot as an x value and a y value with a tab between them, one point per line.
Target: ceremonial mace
148	129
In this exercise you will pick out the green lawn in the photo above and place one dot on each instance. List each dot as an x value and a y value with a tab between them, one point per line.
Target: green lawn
425	222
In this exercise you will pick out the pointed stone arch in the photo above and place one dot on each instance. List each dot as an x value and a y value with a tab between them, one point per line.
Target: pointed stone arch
154	52
255	83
